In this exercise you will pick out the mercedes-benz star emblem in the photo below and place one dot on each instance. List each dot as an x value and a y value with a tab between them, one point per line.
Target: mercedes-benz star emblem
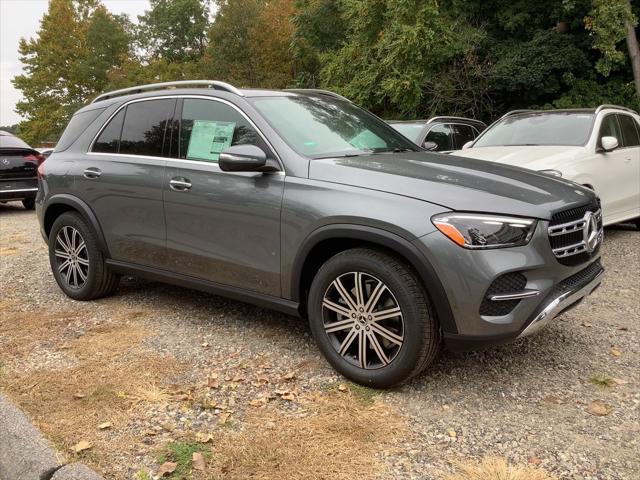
5	161
591	233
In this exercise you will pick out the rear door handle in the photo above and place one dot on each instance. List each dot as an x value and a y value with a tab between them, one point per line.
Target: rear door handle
179	184
92	172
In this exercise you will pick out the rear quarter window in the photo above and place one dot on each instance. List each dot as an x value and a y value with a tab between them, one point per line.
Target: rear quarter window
78	124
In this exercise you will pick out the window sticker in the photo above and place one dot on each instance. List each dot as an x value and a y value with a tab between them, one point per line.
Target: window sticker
208	139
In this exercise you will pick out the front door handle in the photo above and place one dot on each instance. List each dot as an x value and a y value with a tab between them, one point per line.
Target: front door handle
179	184
92	172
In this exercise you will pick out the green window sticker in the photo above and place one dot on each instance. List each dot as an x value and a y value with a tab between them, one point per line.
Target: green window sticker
208	139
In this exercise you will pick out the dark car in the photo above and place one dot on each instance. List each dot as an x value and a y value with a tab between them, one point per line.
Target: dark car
301	201
18	170
440	134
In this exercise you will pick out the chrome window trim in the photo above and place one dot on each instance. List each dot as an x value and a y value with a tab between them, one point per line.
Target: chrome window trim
183	96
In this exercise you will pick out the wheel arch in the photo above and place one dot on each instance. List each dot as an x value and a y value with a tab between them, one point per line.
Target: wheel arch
61	203
329	240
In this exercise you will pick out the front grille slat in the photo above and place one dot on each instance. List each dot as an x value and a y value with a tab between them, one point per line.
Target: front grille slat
567	234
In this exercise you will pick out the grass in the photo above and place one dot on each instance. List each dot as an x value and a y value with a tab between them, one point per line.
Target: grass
330	436
601	380
495	468
182	453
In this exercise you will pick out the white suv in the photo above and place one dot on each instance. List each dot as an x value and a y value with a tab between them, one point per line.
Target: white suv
598	148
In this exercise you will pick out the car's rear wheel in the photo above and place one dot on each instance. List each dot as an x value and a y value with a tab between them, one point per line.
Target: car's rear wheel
371	318
76	261
29	203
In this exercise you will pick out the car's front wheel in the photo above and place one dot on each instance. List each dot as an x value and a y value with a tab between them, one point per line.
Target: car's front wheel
371	318
76	260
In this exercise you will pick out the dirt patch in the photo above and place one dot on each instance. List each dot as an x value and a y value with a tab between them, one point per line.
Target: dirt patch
333	436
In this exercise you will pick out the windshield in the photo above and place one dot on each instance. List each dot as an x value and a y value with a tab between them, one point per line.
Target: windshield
322	126
539	129
410	130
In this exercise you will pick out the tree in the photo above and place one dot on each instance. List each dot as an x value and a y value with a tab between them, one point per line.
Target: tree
613	21
66	64
174	30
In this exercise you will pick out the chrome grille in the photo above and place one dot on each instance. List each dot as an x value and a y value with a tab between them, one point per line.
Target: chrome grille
575	235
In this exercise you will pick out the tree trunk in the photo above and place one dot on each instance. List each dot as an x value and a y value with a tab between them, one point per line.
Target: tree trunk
634	54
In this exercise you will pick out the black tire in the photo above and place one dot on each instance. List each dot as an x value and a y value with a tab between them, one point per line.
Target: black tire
99	280
637	222
418	324
29	203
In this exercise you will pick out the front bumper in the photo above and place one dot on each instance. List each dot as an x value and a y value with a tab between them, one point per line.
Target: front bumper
467	274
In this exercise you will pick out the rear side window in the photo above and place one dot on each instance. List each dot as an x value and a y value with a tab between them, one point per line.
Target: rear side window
78	124
208	127
109	139
145	123
462	134
630	136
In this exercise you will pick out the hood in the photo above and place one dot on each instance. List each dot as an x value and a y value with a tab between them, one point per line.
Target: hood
535	157
454	182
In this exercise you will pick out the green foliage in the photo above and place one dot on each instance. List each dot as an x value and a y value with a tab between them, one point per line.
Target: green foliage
182	454
399	58
174	30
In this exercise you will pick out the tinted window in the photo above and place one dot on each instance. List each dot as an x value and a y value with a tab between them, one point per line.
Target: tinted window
109	139
629	131
442	136
144	127
209	126
10	141
538	129
462	134
610	128
78	124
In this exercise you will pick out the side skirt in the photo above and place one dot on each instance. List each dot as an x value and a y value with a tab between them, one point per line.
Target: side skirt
247	296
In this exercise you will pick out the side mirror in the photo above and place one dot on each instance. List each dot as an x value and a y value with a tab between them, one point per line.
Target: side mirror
467	145
244	158
431	146
609	143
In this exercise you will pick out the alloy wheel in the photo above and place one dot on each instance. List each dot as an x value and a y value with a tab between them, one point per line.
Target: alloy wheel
72	257
363	320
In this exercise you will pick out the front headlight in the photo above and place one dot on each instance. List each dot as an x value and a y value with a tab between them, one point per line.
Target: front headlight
475	231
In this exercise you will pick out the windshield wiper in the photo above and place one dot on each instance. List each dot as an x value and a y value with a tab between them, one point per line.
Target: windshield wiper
392	150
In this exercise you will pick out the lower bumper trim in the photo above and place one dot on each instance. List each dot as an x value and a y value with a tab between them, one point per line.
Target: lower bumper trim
560	304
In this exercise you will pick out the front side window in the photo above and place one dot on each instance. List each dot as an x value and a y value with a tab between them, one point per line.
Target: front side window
208	127
442	136
324	127
462	134
630	137
562	128
145	123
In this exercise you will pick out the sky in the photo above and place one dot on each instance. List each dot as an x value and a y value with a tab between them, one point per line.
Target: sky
21	18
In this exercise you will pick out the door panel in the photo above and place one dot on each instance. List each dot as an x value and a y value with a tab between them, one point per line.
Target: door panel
630	178
125	190
221	226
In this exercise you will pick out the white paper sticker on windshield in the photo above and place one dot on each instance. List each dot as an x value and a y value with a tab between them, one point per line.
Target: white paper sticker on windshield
208	139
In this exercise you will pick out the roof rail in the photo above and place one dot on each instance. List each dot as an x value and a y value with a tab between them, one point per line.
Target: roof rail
463	119
602	107
158	86
328	93
516	112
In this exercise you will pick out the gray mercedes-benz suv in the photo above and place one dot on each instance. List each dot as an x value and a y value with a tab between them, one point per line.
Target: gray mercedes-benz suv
300	201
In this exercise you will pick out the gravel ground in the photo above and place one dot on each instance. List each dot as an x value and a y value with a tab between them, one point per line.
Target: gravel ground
210	364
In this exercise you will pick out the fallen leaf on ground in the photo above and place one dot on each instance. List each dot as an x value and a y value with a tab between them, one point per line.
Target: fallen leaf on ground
262	379
585	324
105	425
212	381
289	376
79	395
453	434
237	379
224	416
258	402
290	396
203	437
342	387
205	344
167	468
599	408
197	461
81	446
615	352
534	460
